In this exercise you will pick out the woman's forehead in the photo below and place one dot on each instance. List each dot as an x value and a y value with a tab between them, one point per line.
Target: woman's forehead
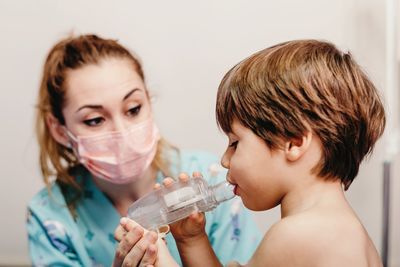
108	73
102	82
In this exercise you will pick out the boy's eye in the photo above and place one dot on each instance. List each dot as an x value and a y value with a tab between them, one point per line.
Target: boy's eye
234	144
94	122
134	111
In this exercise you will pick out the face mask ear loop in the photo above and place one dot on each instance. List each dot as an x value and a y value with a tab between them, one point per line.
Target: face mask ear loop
71	137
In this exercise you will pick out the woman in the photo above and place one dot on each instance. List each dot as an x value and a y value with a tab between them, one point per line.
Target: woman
100	150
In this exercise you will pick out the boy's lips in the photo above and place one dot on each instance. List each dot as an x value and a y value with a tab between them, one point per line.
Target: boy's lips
235	190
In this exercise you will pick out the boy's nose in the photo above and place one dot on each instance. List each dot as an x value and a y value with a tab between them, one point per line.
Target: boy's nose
225	160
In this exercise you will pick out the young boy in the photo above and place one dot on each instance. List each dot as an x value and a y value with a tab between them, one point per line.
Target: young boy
300	117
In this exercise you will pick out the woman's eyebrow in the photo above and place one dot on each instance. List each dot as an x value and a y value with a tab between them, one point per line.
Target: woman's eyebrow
130	93
100	106
90	106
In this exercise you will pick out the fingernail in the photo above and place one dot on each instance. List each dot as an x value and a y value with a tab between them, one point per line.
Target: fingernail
123	220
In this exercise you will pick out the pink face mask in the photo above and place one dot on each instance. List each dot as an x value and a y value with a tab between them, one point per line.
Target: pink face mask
118	157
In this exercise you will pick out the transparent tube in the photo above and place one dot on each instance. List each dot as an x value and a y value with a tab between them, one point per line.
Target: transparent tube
177	201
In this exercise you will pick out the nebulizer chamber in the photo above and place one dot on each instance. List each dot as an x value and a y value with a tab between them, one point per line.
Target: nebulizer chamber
172	203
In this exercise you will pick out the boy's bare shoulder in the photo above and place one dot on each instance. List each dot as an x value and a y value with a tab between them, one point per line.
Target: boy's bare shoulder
286	243
309	240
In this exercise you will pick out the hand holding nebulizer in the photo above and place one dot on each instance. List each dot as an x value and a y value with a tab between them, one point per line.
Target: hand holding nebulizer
177	201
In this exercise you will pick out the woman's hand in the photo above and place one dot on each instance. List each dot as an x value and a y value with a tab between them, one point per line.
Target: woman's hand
137	247
191	237
192	227
140	247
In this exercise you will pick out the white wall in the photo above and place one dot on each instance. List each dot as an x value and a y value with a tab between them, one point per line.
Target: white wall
186	47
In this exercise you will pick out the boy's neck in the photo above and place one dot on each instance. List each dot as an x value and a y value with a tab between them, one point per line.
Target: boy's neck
313	193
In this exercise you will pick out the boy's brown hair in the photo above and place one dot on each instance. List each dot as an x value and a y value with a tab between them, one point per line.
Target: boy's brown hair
286	90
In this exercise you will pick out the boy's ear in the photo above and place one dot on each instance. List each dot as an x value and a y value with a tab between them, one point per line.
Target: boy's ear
57	130
296	147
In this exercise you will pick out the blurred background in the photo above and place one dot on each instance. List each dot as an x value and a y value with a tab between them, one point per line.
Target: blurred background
186	47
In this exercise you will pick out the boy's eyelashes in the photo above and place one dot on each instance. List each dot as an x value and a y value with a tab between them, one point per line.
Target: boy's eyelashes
233	144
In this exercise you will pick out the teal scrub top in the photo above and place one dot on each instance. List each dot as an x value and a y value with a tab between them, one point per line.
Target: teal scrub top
57	239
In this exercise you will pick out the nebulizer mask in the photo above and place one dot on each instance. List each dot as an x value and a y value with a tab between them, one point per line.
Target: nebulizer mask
169	204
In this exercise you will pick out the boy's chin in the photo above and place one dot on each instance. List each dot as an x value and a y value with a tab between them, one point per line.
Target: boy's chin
251	206
258	206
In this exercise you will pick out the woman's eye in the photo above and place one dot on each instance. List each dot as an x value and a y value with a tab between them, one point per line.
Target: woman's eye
234	144
94	122
134	111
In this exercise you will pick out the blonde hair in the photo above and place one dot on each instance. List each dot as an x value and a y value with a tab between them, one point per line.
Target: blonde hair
283	90
69	54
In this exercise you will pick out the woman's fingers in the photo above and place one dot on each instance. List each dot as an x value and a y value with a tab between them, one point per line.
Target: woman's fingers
128	224
156	186
150	256
197	175
168	181
183	177
138	252
134	241
119	233
125	225
126	244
